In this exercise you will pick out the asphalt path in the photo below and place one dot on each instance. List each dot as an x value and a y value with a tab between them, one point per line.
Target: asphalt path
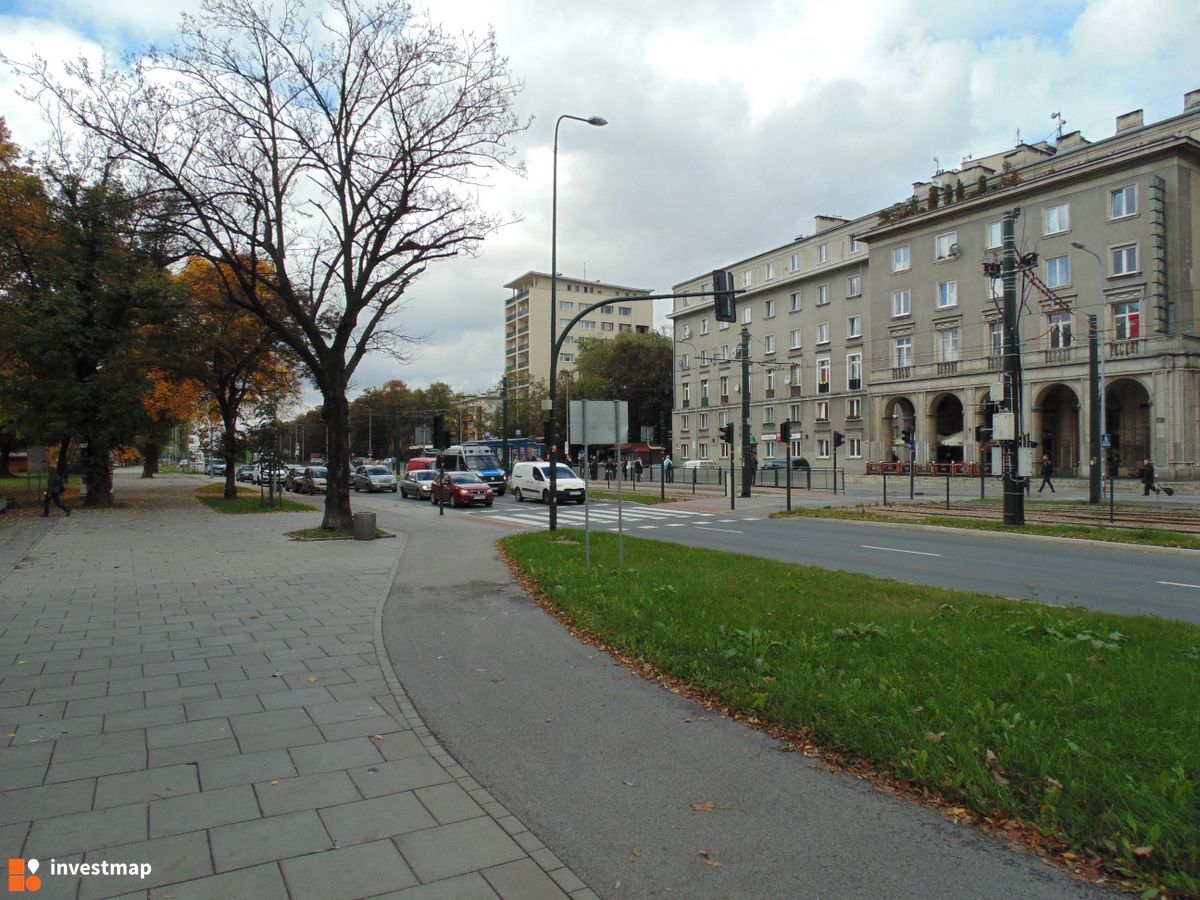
605	767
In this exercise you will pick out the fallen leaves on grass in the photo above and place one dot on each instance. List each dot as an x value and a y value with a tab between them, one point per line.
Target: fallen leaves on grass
704	805
709	859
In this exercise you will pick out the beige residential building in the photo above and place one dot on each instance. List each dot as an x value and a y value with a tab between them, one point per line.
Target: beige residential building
527	321
1109	228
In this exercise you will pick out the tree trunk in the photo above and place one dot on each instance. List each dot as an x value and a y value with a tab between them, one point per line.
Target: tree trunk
5	456
230	448
64	450
336	414
150	453
97	469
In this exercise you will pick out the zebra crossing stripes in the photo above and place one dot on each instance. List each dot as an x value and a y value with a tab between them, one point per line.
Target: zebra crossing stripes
601	515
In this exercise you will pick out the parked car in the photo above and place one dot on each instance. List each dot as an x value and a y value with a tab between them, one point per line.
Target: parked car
461	489
293	476
531	480
798	462
700	464
247	473
420	462
215	467
417	483
312	481
266	472
374	478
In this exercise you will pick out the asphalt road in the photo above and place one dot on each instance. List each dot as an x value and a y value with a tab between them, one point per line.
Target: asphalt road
605	767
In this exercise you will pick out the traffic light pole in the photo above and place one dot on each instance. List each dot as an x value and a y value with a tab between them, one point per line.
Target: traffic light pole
1014	494
747	471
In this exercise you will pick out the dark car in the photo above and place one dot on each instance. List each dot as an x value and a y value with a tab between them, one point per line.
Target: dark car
417	483
462	489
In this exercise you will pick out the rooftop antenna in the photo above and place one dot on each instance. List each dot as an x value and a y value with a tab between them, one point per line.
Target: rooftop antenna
1058	117
937	166
1018	137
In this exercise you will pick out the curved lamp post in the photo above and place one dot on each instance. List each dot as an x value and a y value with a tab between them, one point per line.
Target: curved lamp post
552	426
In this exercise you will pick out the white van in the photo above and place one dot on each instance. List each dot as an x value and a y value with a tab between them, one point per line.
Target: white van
532	480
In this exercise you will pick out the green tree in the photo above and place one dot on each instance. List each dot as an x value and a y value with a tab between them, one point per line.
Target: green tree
631	367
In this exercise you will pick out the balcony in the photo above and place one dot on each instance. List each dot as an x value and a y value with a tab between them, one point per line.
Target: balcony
995	362
854	384
770	393
687	403
704	401
901	373
948	368
724	398
1121	349
1057	356
823	387
797	390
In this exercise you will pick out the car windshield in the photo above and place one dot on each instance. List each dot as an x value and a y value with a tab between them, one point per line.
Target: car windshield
563	471
423	475
465	478
319	473
482	461
378	470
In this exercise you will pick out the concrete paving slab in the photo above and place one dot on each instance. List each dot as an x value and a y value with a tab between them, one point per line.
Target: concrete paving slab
347	873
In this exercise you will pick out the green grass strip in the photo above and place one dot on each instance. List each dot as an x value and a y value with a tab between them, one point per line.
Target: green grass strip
211	495
1083	723
644	497
1154	537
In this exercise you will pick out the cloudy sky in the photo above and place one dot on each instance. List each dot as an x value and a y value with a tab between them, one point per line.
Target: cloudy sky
730	125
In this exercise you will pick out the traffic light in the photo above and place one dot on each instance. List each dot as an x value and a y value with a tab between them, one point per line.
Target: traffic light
723	296
838	439
785	431
439	431
727	433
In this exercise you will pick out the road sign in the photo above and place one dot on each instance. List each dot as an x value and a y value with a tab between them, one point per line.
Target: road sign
1106	441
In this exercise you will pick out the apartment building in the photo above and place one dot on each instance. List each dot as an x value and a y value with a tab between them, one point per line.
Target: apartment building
527	321
1107	228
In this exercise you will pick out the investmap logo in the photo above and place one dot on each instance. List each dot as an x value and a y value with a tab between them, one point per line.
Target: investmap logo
23	877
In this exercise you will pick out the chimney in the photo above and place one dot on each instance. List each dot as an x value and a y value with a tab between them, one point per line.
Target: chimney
824	223
1191	100
1129	120
1072	139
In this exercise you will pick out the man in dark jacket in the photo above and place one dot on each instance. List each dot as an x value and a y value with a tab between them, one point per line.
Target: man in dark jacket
1047	473
54	489
1149	479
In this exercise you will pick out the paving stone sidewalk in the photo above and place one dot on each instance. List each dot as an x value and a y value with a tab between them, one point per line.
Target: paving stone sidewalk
197	692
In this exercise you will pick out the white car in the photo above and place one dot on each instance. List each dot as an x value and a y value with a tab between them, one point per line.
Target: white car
532	480
700	464
374	478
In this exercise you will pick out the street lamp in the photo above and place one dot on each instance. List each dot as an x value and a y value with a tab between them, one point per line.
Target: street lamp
1096	395
552	425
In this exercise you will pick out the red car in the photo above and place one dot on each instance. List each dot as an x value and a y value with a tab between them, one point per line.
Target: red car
461	489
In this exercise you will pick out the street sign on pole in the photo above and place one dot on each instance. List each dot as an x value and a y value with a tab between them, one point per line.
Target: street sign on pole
594	422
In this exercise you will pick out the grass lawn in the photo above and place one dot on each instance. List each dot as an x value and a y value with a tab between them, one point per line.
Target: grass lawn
247	501
1083	724
1157	537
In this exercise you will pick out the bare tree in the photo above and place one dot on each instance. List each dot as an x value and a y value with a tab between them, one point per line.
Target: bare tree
323	162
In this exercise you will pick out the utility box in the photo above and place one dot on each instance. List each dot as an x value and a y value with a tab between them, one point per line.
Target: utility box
1024	462
1004	427
364	526
997	461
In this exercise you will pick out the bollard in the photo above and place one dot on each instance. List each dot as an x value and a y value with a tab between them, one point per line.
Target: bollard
364	526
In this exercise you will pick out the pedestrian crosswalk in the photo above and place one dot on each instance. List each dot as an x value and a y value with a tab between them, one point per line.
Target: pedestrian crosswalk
603	516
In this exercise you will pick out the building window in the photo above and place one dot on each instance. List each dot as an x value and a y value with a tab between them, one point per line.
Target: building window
747	278
685	361
795	345
625	310
824	368
704	326
703	390
854	372
947	294
900	259
566	305
687	393
684	422
607	310
704	358
853	448
795	301
995	235
995	288
770	343
768	309
854	408
903	354
568	340
745	313
768	415
1122	202
687	331
822	448
795	377
823	333
1057	218
1058	271
857	246
724	390
854	327
702	424
770	270
607	326
1124	259
948	345
724	356
822	410
794	262
587	325
996	337
822	294
1127	320
567	357
794	413
901	303
942	244
823	253
770	376
854	286
1060	330
723	326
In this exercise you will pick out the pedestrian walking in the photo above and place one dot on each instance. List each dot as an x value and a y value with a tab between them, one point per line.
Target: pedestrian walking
54	489
637	469
1047	472
1149	478
668	469
610	472
625	470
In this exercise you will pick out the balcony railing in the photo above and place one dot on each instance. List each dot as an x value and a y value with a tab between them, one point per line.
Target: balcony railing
1125	348
854	384
770	393
823	387
995	362
704	401
1057	356
687	403
948	368
901	372
724	398
797	390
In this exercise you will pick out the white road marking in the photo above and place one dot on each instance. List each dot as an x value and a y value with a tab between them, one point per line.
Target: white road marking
1178	584
896	550
726	530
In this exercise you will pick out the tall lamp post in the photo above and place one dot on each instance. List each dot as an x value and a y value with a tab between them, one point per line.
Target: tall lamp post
552	424
1095	396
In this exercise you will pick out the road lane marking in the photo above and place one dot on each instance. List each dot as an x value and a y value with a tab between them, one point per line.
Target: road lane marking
896	550
726	530
1178	584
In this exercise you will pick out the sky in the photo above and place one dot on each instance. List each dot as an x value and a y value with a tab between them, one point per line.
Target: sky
730	125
